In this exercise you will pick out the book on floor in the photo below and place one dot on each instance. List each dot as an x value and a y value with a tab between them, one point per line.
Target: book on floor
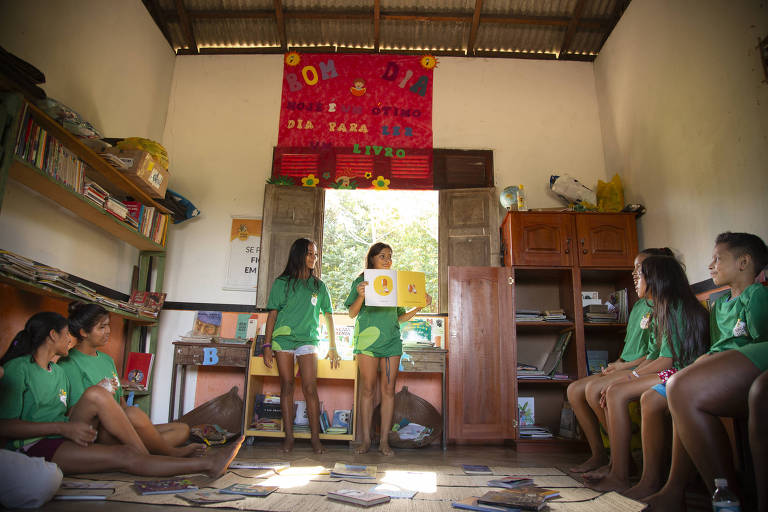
511	482
249	489
393	491
344	470
202	497
473	504
509	499
169	486
362	498
275	466
476	469
83	493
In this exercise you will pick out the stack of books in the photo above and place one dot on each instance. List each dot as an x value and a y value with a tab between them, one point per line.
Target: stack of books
147	303
534	432
550	366
268	424
94	193
511	482
116	208
600	313
554	315
619	300
528	315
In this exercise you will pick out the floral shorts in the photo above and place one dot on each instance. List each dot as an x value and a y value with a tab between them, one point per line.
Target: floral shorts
664	375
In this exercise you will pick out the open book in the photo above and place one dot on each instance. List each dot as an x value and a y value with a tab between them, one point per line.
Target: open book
390	288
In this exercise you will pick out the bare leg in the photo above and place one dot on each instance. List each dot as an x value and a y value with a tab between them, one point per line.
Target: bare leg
655	417
618	395
368	367
387	378
285	370
308	369
98	407
671	497
72	459
715	386
156	441
758	419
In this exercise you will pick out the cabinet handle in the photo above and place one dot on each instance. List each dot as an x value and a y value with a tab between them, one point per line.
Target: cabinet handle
510	280
583	249
567	246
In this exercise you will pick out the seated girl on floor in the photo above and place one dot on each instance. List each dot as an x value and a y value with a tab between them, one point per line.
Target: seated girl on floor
679	334
36	412
87	366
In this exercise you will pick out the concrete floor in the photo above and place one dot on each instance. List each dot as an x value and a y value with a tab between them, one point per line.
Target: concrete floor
455	455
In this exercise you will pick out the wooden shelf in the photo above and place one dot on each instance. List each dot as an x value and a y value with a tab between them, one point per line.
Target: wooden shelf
41	289
548	325
604	324
30	176
522	380
300	435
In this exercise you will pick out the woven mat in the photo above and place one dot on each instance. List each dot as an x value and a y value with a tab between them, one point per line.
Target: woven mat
436	487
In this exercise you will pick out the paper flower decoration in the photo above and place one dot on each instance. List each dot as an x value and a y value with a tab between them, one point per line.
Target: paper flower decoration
309	181
380	183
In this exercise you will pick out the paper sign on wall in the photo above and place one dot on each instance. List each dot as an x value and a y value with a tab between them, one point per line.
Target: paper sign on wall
244	248
392	288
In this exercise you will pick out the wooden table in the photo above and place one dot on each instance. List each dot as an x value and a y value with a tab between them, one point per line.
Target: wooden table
429	360
206	354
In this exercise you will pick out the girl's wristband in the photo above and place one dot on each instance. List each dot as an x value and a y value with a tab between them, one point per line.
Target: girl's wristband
266	345
634	372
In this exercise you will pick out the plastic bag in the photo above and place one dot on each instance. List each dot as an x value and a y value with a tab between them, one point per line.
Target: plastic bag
610	195
570	189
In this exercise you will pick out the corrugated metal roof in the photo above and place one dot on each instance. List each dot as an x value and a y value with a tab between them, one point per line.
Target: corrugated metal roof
549	29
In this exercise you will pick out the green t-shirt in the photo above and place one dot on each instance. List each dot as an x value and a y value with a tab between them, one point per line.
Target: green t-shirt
84	371
31	393
299	305
638	334
736	322
377	331
664	349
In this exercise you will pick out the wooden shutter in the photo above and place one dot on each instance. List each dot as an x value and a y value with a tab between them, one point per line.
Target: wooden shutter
456	168
468	233
289	213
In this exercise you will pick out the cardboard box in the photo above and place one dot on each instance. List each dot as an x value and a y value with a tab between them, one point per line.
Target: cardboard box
143	170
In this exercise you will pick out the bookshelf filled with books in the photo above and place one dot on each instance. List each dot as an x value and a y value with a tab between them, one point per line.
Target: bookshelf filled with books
42	156
262	405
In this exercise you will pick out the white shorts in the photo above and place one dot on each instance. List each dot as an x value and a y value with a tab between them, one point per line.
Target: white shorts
302	350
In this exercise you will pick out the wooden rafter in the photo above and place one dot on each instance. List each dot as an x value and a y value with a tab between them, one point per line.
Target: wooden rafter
473	29
186	26
376	24
280	19
572	26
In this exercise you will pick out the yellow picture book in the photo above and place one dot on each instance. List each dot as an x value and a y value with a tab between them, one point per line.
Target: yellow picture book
390	288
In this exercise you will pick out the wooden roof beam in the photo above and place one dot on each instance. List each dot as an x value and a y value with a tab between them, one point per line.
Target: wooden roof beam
376	24
280	19
186	26
572	26
473	28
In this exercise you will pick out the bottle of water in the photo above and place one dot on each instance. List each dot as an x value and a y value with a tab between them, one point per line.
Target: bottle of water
724	500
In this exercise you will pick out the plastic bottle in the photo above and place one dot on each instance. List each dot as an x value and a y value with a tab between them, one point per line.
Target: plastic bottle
724	500
521	206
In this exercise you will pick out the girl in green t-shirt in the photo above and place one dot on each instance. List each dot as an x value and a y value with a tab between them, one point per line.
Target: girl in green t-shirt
296	300
378	348
86	365
679	334
36	413
584	394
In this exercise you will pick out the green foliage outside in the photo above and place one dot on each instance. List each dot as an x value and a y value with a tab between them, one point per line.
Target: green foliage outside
355	220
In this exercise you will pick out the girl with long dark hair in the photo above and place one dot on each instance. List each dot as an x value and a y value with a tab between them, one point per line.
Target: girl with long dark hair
296	300
378	347
86	366
36	413
679	334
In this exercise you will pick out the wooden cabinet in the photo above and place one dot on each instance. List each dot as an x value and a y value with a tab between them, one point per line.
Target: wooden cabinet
565	239
481	355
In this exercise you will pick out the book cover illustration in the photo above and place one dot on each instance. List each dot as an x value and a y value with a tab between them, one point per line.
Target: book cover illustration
476	469
340	424
510	499
249	489
525	411
202	497
170	486
207	323
596	360
138	368
390	288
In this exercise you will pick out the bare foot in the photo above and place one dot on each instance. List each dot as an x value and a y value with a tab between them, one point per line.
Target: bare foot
384	449
317	446
641	490
363	448
288	444
665	501
223	457
190	450
609	483
598	473
590	464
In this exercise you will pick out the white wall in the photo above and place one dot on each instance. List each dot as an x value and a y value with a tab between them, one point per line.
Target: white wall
683	105
107	60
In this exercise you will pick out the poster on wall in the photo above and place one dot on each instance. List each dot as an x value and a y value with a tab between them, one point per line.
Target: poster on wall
355	121
243	261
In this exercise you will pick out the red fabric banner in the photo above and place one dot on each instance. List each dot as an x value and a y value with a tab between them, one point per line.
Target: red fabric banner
355	121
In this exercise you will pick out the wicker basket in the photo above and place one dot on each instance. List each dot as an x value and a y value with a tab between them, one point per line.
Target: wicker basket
416	410
225	410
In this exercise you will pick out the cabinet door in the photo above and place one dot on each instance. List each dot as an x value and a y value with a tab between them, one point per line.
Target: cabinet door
541	239
481	354
606	240
289	213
